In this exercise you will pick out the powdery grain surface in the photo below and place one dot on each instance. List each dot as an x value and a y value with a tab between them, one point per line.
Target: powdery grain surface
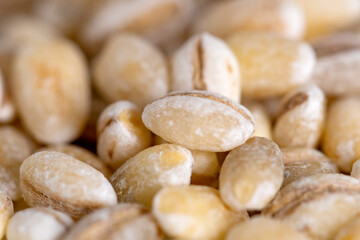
302	124
205	62
123	221
142	176
81	154
51	91
64	178
336	73
130	68
179	210
251	174
322	217
317	205
38	224
300	188
121	133
199	120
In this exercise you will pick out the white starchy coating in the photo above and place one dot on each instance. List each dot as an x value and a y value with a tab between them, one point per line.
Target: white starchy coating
130	68
38	224
64	178
219	68
190	205
301	126
293	18
121	134
335	74
264	192
200	123
51	91
116	16
297	188
81	154
321	217
251	174
140	177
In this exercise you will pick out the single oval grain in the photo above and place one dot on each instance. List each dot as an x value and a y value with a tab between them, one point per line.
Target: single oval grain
205	62
199	120
251	174
143	175
51	90
194	212
38	224
59	181
121	133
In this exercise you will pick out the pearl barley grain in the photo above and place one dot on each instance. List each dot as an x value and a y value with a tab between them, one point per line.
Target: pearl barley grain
194	212
342	130
121	133
199	120
38	224
205	62
143	175
301	117
130	68
271	65
51	90
59	181
251	174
